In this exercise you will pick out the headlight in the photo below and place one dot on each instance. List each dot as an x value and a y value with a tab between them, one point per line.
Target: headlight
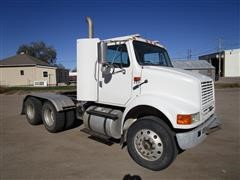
195	117
186	119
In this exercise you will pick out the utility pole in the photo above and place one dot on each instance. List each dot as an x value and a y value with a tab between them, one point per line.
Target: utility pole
189	54
220	44
219	56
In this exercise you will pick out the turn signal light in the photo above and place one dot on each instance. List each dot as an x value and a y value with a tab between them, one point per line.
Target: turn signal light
137	78
184	119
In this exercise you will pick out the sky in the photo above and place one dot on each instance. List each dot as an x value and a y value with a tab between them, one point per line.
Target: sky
177	24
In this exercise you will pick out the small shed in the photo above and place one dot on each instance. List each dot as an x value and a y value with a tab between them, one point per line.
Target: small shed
202	67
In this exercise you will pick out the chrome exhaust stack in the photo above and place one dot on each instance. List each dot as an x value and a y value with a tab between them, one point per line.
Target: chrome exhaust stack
90	27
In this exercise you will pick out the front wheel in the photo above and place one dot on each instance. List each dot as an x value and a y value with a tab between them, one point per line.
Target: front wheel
151	143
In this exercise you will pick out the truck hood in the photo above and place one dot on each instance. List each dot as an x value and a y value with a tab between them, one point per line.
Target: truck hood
179	72
172	83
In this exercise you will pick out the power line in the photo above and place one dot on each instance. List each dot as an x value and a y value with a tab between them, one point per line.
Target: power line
195	54
222	44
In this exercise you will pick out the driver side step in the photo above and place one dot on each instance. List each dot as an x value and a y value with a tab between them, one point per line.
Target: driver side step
98	137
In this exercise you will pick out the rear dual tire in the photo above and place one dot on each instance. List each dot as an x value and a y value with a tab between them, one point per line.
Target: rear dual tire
46	113
33	108
53	121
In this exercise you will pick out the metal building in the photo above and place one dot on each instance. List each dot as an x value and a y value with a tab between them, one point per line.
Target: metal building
227	62
202	67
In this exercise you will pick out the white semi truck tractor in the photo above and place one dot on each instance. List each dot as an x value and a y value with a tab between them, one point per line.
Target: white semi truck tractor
127	89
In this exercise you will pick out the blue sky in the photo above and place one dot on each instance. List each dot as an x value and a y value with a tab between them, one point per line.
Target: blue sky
178	25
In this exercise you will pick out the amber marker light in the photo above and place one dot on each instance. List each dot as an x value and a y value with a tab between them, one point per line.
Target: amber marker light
184	119
137	78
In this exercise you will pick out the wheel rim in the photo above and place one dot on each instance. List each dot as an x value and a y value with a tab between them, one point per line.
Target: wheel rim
48	116
30	111
148	144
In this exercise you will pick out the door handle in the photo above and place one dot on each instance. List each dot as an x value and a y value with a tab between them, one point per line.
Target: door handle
137	86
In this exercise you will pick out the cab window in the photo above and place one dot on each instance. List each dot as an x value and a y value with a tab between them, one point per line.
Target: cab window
118	55
151	55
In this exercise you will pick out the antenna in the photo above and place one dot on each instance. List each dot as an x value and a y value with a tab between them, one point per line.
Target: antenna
189	54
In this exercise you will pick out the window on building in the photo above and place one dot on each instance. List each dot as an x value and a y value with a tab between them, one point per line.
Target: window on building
22	72
45	74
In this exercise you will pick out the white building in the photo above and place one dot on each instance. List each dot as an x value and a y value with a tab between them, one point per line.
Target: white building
232	63
227	62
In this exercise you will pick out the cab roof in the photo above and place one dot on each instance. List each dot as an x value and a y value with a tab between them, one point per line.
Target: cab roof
133	37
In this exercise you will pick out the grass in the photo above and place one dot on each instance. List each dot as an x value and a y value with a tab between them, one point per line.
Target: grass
22	89
227	85
3	89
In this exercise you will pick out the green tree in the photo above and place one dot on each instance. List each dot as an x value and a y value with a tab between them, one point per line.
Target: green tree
40	51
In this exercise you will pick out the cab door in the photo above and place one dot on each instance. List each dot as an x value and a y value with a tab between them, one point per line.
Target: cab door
115	87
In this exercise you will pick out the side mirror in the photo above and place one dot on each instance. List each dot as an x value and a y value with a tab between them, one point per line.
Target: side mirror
102	52
107	69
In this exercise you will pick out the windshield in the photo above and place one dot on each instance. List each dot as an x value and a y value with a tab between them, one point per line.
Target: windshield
151	55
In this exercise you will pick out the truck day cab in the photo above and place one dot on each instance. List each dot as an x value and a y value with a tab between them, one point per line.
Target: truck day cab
128	90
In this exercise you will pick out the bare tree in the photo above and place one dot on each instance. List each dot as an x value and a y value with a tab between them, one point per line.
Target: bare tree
40	51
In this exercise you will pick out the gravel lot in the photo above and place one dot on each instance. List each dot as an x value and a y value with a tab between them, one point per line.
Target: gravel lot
30	152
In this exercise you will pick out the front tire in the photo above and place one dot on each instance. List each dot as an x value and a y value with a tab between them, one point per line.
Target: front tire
151	143
53	121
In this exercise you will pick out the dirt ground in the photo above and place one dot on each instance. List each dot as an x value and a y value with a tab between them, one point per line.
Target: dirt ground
30	152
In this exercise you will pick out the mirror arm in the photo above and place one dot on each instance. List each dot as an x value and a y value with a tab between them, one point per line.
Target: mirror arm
122	70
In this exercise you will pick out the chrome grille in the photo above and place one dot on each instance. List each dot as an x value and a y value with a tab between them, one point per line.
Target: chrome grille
207	92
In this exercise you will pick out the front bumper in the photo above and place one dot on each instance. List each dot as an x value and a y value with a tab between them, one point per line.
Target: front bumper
192	138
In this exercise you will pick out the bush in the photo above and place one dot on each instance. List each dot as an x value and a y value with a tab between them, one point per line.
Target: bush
36	89
3	89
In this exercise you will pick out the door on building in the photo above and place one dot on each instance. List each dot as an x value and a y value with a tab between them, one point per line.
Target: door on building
219	67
